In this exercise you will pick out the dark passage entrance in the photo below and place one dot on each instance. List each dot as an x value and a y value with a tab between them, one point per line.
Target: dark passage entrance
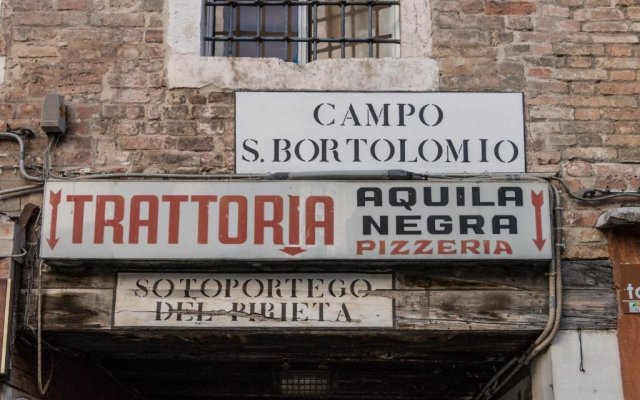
454	327
188	365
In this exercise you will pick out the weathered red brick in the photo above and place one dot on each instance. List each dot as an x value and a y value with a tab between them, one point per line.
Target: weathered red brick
605	27
616	38
590	153
579	62
619	88
79	5
587	114
625	75
580	74
118	20
623	140
497	7
579	168
153	36
555	11
633	12
145	142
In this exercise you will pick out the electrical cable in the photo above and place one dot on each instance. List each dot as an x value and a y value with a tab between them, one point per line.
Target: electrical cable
21	193
23	171
22	254
53	140
591	199
589	196
19	189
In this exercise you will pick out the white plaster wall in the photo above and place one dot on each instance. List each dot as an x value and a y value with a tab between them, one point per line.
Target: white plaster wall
9	393
3	61
414	70
556	374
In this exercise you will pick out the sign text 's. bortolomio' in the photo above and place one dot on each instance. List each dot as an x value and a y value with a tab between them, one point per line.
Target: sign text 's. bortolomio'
419	132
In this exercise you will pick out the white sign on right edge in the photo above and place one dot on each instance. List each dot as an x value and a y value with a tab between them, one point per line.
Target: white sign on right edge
426	132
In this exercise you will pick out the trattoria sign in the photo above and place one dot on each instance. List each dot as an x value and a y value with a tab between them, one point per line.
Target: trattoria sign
418	132
191	300
278	220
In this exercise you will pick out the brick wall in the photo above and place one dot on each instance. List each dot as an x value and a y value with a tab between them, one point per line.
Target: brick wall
578	62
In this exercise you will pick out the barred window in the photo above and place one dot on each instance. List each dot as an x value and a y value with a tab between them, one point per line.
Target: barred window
301	31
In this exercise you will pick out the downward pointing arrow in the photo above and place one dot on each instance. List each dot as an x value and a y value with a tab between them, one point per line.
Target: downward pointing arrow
54	200
537	199
292	250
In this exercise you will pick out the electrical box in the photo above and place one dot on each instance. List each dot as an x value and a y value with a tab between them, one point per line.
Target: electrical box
54	116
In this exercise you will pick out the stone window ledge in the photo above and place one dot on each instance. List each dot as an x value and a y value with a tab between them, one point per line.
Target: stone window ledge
193	71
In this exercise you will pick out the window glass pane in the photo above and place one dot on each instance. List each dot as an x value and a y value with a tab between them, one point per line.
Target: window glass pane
273	49
245	21
329	22
273	20
244	49
357	21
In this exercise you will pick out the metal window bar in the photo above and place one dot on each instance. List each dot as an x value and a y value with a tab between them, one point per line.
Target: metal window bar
258	28
315	30
304	384
233	36
287	8
370	27
343	28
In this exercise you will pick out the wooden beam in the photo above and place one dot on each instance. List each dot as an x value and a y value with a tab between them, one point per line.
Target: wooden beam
484	298
624	249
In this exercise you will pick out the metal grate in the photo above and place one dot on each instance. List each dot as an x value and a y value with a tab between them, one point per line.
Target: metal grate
304	383
301	30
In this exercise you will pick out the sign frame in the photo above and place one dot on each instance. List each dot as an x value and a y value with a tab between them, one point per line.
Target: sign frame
352	241
348	167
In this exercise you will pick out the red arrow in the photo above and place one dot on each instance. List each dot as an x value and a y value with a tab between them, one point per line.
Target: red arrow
292	250
537	199
54	200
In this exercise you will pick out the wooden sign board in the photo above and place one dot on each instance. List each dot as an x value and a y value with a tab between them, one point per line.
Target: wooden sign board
630	288
254	300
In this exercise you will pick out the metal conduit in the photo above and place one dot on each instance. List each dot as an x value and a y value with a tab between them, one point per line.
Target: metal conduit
23	171
547	335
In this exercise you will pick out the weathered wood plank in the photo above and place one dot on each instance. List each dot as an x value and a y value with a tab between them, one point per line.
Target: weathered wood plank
276	345
438	298
587	275
78	309
471	310
516	276
79	276
589	309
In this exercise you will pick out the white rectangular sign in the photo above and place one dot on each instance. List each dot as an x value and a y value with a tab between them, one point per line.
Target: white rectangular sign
276	220
250	300
427	132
